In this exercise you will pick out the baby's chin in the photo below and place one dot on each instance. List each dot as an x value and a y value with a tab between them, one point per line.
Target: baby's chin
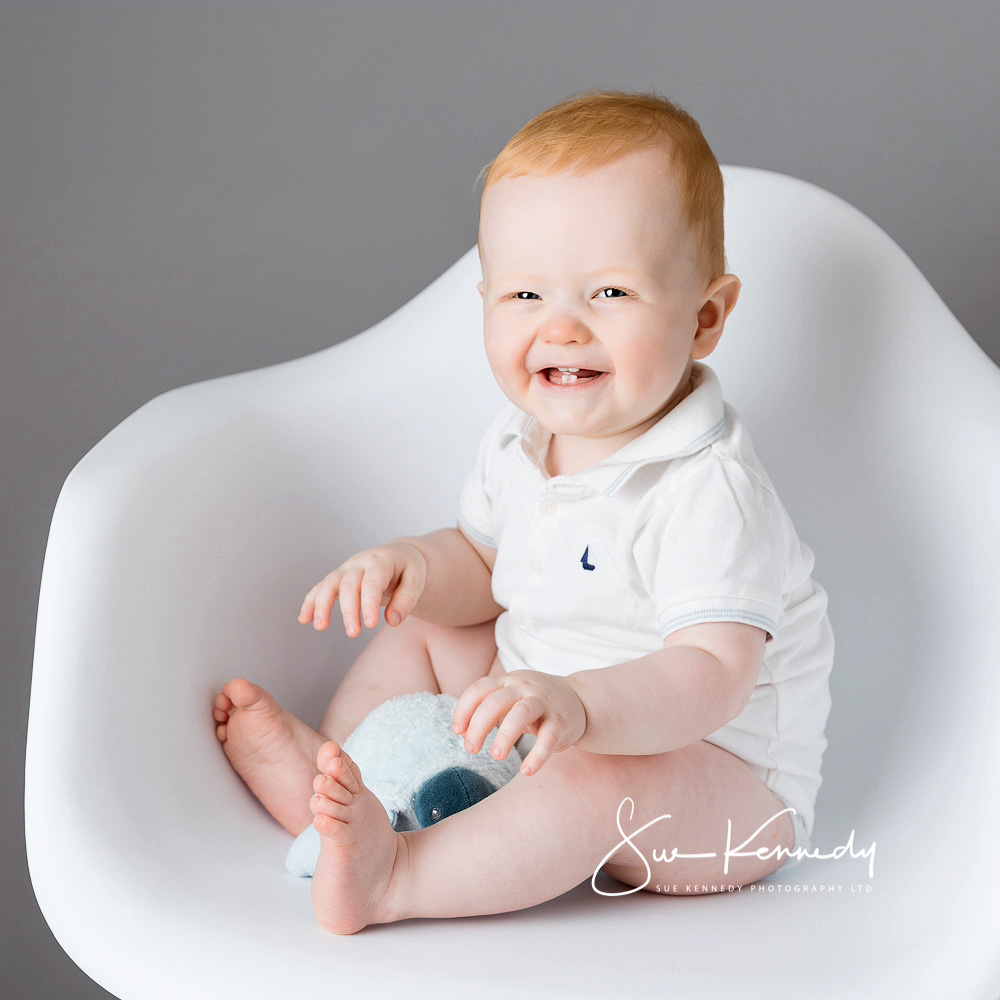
598	432
602	435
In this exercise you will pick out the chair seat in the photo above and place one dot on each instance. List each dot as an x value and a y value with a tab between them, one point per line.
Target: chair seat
182	543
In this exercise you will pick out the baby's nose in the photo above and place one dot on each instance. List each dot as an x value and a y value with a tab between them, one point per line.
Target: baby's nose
564	328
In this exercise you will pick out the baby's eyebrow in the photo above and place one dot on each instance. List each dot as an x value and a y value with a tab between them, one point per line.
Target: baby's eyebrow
610	273
625	272
514	276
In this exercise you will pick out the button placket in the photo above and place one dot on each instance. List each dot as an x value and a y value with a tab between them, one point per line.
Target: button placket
541	525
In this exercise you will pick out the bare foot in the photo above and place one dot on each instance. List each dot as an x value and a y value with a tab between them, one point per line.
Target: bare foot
270	749
362	863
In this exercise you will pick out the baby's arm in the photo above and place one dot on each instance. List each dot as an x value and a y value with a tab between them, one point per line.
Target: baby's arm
701	680
458	588
441	577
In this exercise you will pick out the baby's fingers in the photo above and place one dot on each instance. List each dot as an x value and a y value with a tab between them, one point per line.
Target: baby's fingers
375	592
405	596
319	600
308	606
546	743
350	601
470	699
306	613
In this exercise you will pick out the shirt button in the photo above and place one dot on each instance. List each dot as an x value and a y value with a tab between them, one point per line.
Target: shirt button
548	506
535	565
518	616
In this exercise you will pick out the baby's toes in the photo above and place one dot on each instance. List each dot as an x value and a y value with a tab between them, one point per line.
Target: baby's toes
352	765
221	715
349	771
323	806
333	761
330	788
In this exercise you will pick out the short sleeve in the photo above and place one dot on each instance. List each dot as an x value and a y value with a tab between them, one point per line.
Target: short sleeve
476	497
714	549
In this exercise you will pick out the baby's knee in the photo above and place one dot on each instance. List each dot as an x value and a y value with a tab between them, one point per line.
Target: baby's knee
413	628
460	654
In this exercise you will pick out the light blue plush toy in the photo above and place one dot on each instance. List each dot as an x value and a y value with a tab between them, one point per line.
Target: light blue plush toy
417	767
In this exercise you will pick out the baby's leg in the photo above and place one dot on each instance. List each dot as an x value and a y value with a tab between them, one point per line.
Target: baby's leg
269	748
414	656
539	836
275	753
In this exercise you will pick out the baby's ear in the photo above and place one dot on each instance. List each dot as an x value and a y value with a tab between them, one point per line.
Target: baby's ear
480	287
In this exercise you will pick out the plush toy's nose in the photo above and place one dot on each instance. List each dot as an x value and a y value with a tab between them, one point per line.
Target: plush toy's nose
449	791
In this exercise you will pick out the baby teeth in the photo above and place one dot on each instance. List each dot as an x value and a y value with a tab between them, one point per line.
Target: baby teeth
568	378
569	369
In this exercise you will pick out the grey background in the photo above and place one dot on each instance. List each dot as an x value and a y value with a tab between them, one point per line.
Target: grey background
193	189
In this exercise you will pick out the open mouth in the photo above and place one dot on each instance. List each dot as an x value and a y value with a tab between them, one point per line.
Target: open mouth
570	376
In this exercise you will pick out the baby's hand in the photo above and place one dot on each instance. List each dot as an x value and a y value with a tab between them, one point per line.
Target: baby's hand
392	574
522	701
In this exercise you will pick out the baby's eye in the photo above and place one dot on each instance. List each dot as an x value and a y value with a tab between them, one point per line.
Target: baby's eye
620	291
521	295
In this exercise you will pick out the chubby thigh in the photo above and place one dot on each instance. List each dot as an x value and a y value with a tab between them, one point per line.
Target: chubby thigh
697	800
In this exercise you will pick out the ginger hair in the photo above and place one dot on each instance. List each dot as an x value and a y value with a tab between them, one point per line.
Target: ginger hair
594	128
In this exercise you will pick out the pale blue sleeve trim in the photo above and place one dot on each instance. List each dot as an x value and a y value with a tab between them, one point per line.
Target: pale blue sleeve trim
473	532
747	612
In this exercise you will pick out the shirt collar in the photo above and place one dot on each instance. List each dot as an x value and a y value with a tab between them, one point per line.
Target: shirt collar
695	422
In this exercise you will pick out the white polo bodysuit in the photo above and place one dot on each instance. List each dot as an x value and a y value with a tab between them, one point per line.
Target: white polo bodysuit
681	525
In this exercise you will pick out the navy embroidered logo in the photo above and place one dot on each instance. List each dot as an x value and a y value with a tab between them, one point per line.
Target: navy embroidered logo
583	558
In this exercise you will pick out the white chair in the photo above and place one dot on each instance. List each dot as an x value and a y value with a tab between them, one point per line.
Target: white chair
182	544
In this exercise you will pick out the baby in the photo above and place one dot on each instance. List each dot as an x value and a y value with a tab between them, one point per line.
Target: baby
624	584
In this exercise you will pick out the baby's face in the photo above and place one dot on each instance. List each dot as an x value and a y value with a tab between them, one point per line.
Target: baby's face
594	272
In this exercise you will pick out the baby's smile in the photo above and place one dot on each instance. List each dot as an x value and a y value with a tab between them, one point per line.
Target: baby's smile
575	378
